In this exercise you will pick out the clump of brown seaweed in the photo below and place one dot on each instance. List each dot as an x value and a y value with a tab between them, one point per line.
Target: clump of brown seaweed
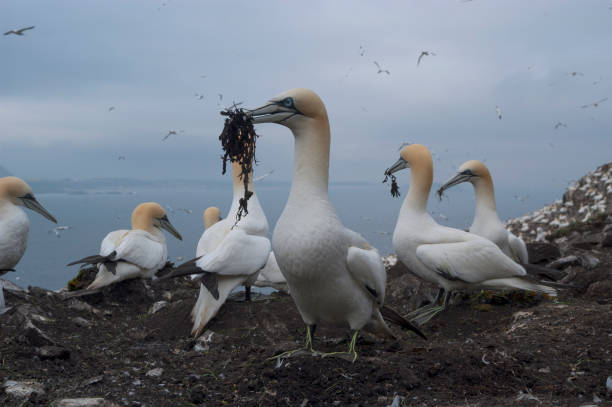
394	187
238	142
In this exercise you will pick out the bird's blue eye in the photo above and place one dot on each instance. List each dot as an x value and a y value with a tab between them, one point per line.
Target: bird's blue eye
288	102
468	172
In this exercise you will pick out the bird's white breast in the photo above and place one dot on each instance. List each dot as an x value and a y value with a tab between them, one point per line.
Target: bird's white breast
14	227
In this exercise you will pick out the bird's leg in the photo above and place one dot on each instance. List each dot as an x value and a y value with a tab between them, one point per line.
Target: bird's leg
426	314
426	308
306	350
247	293
351	354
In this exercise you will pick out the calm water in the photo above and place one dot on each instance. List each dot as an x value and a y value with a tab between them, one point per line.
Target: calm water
366	208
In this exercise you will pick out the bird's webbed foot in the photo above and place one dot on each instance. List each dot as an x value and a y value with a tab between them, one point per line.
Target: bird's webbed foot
350	355
306	350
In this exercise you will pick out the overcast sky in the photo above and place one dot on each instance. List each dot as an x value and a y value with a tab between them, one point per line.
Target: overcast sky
149	59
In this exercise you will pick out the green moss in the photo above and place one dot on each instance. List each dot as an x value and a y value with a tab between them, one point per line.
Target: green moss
78	282
579	226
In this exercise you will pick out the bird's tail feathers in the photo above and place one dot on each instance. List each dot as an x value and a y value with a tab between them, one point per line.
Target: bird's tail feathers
520	283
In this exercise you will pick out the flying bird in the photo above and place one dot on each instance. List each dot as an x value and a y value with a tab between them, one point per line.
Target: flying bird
424	53
499	112
199	96
594	104
361	51
110	109
380	70
574	73
19	31
266	175
559	124
58	229
121	157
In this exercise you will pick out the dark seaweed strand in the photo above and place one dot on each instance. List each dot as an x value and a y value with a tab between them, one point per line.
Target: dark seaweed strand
394	187
238	142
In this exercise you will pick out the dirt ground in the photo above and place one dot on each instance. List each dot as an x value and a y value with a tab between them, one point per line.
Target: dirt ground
487	349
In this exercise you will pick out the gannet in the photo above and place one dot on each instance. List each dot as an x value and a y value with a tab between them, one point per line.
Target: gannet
19	31
499	112
594	104
451	258
424	53
486	221
228	254
334	275
380	70
14	223
137	252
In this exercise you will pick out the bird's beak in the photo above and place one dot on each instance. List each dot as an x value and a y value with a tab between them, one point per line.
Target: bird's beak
164	223
456	180
271	112
31	203
399	165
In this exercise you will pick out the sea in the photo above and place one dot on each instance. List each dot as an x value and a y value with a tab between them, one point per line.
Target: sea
90	214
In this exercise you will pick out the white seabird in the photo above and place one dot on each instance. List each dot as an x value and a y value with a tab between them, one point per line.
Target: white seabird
14	223
228	254
131	253
486	220
448	257
334	275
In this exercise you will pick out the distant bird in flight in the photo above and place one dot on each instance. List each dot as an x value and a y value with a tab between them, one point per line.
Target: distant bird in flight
199	97
594	104
380	70
499	112
202	76
598	80
574	73
19	31
220	97
267	174
110	109
171	133
559	124
424	53
361	51
522	199
121	157
58	229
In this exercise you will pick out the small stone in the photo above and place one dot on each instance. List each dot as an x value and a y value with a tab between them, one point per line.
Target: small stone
606	241
34	336
81	322
544	370
157	372
540	252
83	402
93	380
23	388
589	262
564	262
609	384
82	306
52	352
158	306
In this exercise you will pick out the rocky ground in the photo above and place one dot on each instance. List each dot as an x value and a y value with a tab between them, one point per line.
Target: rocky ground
130	344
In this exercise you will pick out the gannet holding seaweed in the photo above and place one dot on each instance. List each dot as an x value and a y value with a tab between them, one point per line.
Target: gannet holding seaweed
451	258
138	252
230	253
486	221
334	275
14	223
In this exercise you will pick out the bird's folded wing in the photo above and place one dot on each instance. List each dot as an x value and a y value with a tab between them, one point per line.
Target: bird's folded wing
271	272
237	254
367	268
471	261
212	237
355	239
518	249
142	251
111	241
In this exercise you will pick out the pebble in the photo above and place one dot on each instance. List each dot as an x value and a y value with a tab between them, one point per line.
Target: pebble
83	402
157	372
157	306
23	388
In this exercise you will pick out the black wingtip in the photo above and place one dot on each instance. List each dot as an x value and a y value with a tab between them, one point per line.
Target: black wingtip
392	316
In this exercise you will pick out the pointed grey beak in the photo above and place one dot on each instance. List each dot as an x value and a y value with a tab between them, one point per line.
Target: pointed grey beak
399	165
271	112
31	203
456	180
164	223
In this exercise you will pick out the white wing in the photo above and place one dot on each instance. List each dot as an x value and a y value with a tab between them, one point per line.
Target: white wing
518	249
212	237
142	249
365	265
471	261
271	272
237	254
111	241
